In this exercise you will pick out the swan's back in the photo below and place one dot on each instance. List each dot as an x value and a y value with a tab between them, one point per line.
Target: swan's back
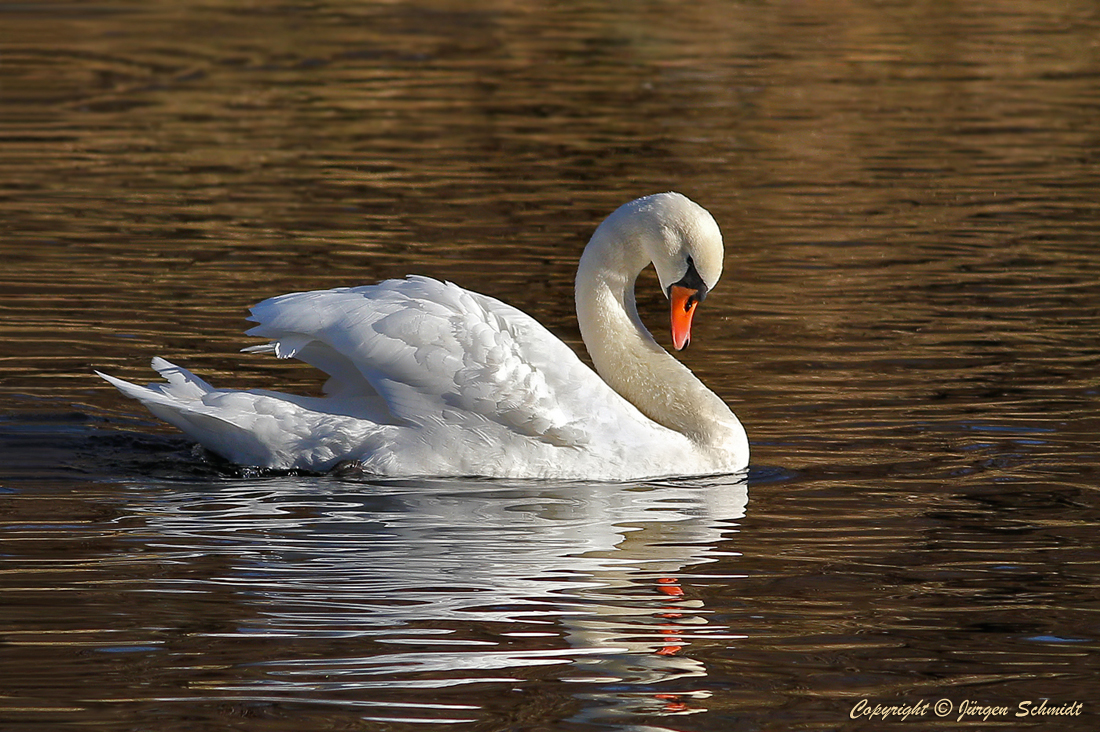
431	348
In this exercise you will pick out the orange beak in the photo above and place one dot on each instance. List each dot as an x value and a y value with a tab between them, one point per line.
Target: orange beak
684	300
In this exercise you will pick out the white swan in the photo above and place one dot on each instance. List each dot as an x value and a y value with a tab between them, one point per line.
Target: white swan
429	379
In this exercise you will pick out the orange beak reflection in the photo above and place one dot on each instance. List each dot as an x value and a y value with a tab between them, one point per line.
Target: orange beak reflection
684	300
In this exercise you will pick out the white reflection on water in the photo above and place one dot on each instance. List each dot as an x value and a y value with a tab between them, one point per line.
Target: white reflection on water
454	583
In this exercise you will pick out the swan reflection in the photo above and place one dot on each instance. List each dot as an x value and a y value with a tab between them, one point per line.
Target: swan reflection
410	585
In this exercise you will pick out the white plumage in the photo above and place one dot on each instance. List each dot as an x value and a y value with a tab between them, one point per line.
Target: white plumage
429	379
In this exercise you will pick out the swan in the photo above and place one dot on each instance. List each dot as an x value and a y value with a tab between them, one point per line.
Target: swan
429	379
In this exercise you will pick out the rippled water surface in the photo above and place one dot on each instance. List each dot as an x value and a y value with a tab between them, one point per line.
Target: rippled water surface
907	326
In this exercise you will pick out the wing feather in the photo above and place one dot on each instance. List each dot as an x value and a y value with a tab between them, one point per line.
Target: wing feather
429	347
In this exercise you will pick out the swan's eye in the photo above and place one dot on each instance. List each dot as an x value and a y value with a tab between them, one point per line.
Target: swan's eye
691	281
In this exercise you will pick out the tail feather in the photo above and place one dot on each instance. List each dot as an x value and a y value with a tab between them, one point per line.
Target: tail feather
265	429
182	384
180	403
182	387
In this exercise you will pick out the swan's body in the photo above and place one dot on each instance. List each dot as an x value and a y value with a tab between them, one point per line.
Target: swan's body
429	379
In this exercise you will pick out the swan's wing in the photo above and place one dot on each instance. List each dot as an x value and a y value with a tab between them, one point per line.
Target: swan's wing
441	355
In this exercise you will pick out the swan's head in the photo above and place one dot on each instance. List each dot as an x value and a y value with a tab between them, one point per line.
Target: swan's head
684	243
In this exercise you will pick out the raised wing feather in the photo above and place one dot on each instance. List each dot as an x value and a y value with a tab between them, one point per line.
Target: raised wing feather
440	354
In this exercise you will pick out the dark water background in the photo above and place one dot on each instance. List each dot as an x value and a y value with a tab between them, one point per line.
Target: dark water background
908	327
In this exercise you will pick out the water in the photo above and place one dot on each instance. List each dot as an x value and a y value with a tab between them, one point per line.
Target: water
907	326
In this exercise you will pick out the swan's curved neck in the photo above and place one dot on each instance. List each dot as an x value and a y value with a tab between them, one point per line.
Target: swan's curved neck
628	358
